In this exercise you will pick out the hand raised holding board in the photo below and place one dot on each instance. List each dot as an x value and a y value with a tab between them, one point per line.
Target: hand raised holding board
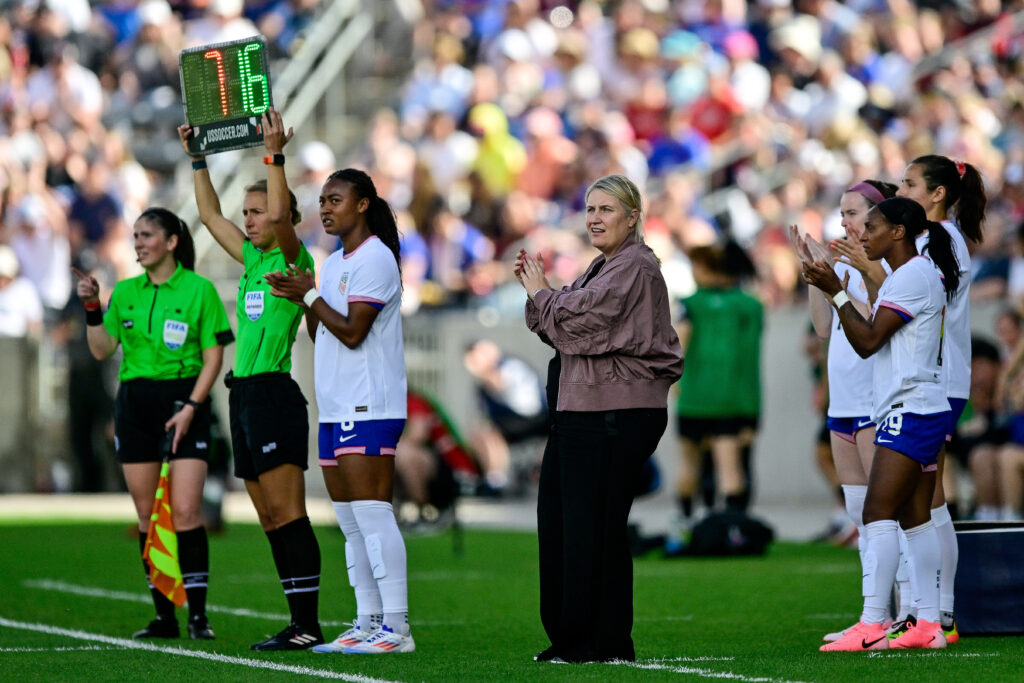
225	89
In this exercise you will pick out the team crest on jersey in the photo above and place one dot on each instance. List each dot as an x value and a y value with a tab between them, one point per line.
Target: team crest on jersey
254	305
175	334
343	283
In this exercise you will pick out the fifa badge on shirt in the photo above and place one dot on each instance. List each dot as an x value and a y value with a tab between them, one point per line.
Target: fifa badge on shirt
254	305
175	334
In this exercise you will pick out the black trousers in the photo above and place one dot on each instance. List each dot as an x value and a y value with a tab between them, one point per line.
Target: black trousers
589	475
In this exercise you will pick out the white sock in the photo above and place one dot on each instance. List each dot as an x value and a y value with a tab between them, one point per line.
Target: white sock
880	561
925	570
360	575
854	496
950	555
903	574
386	551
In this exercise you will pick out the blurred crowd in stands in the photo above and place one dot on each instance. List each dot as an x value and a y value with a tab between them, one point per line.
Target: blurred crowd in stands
737	117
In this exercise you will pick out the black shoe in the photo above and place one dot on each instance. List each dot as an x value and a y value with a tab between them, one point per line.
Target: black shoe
199	629
294	637
546	655
161	627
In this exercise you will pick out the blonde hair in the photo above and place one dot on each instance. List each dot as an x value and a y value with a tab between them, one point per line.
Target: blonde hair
628	194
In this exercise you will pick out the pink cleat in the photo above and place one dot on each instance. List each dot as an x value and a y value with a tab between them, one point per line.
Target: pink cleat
860	637
925	635
833	637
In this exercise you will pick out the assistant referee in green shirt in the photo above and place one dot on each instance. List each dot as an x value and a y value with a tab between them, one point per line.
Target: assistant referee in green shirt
269	421
172	327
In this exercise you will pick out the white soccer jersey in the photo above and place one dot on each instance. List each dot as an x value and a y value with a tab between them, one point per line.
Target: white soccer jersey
957	354
908	369
367	382
850	377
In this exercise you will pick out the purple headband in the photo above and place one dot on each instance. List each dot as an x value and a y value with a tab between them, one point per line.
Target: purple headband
869	191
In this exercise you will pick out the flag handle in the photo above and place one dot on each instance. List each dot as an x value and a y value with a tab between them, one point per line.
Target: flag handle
161	502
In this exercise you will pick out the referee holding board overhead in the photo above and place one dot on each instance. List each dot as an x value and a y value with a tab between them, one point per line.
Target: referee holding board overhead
269	421
173	329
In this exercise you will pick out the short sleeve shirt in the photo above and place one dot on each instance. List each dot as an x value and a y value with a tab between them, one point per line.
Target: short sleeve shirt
958	317
266	324
164	328
850	377
908	369
367	382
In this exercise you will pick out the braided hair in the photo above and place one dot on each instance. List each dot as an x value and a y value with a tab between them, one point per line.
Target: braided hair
911	215
168	221
380	217
965	192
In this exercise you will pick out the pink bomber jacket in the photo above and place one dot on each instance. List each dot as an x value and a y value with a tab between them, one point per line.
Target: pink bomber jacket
618	346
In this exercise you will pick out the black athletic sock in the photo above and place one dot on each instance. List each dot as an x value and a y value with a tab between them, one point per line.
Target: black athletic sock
303	553
280	554
194	557
686	506
164	607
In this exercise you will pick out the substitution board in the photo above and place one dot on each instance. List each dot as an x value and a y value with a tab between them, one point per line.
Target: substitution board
225	89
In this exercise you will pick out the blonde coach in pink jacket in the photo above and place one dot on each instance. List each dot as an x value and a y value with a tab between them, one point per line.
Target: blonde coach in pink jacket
617	354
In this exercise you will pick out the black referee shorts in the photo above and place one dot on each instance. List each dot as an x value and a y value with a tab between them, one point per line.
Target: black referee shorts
142	408
269	424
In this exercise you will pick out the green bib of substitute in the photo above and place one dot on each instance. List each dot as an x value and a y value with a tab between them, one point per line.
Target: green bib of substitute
723	359
266	324
164	328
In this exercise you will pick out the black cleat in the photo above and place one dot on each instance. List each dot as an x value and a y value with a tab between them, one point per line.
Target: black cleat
199	629
294	637
546	655
161	627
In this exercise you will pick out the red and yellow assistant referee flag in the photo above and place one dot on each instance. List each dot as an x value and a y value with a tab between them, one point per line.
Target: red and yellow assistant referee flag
162	544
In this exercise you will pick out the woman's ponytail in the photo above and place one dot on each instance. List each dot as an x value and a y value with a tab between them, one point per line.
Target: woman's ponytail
965	191
168	221
911	215
940	251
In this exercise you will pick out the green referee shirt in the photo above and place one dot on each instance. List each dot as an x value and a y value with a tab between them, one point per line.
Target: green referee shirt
722	376
164	328
266	323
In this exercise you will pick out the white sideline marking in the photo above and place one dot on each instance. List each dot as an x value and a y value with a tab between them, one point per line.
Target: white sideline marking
663	665
694	659
92	592
64	587
182	652
58	649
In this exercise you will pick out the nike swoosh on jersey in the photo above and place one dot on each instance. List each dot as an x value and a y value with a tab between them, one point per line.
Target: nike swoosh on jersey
343	439
881	440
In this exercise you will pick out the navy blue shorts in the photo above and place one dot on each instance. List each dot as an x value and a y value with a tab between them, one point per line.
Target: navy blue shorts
956	409
366	437
847	427
919	437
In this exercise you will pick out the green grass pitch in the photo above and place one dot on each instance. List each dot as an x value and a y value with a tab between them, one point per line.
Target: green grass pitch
71	595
